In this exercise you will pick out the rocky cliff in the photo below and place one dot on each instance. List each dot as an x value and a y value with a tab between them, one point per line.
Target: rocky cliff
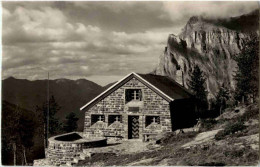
211	44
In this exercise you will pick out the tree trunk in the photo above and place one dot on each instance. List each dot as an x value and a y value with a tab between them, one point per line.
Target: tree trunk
14	151
220	109
45	136
24	155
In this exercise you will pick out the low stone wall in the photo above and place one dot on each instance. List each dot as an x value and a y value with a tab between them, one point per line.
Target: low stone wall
61	152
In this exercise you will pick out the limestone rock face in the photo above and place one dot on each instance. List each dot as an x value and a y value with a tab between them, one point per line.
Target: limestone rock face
209	45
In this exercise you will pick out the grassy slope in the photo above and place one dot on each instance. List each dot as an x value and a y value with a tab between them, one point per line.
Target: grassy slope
221	152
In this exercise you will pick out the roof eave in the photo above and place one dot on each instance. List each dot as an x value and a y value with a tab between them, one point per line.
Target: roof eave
83	107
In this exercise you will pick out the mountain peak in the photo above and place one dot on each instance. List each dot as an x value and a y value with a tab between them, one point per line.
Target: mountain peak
194	19
10	78
210	43
61	80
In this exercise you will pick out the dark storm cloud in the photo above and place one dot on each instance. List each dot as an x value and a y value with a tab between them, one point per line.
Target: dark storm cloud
101	41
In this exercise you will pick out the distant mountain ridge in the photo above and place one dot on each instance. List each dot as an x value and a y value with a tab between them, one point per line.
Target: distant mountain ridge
70	94
211	44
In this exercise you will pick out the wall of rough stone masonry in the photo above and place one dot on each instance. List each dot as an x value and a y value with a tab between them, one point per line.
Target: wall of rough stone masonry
153	104
59	153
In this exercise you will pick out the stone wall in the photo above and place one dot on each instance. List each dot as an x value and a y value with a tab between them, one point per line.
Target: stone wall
61	152
151	104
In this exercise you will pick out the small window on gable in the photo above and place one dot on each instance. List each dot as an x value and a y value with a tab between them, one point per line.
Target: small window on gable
114	118
133	95
151	119
96	118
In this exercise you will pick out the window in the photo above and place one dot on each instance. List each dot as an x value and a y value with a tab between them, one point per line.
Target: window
151	119
133	94
96	118
114	118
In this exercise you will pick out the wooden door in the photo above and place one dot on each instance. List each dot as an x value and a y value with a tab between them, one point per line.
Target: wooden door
133	127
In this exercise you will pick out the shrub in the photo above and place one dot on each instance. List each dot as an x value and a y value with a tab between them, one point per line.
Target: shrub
251	113
234	153
207	124
230	129
220	135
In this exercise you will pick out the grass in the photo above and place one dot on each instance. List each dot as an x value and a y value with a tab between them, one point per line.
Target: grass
235	126
230	128
172	138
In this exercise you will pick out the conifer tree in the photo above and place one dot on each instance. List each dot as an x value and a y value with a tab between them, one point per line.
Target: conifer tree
246	75
71	122
196	85
52	126
222	97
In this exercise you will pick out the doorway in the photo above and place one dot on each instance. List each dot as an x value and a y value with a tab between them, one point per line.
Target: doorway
133	127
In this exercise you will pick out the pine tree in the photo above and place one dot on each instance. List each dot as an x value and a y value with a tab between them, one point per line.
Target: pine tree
71	122
222	97
196	85
246	75
52	126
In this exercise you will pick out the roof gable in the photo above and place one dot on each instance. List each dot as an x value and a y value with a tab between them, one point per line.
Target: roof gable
164	86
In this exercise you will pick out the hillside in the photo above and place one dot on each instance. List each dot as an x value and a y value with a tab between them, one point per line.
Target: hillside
211	44
9	118
228	140
70	94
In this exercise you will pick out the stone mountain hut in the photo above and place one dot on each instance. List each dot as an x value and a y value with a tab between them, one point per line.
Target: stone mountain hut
139	106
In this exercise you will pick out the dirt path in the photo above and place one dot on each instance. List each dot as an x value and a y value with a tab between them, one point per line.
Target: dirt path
141	162
201	138
122	147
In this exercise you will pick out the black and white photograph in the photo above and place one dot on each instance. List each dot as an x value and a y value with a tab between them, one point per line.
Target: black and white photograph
130	83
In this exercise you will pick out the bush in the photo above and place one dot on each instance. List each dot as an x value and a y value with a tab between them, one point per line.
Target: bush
230	129
251	113
220	135
207	124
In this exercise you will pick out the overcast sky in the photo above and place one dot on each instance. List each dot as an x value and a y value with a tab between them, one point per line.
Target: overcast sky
98	41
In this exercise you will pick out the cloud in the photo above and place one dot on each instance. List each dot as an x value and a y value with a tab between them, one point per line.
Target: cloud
44	25
69	49
184	10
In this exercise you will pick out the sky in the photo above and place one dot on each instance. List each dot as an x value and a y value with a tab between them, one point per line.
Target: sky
98	41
